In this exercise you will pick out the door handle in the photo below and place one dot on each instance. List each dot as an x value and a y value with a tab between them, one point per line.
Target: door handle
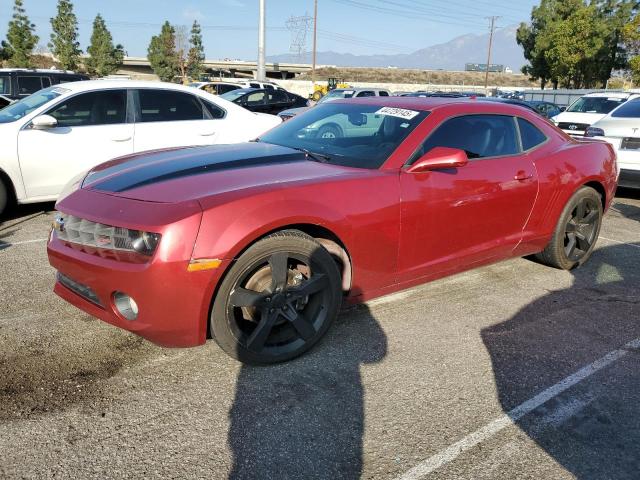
121	139
207	134
522	175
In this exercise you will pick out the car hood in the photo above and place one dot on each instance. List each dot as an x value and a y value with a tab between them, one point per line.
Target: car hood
579	117
177	175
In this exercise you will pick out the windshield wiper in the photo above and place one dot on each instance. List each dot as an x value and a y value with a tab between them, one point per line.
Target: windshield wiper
317	157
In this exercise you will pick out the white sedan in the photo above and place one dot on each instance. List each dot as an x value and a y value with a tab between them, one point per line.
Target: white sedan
55	134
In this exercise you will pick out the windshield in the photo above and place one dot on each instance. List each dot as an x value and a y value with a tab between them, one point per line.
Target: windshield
336	94
628	110
18	110
233	94
353	135
596	104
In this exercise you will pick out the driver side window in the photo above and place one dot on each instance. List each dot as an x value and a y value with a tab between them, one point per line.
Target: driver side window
480	136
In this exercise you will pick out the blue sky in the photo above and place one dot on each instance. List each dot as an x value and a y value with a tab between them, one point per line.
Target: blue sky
230	26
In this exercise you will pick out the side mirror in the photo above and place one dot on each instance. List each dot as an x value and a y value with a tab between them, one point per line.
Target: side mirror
357	119
562	109
44	122
439	158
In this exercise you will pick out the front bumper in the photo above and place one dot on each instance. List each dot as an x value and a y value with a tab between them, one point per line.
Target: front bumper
173	303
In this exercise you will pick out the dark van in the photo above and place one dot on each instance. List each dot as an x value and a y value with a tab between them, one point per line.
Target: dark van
17	83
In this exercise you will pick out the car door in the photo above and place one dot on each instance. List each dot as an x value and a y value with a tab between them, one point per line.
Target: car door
92	128
456	217
170	118
255	101
278	101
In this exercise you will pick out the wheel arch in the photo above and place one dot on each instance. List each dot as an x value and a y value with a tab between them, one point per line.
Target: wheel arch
598	187
5	179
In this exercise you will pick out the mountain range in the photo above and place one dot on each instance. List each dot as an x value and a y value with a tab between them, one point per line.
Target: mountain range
451	55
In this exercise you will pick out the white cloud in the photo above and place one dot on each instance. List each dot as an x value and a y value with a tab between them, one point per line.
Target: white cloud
191	13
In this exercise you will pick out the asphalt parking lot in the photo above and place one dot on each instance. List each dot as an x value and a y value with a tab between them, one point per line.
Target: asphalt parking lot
514	370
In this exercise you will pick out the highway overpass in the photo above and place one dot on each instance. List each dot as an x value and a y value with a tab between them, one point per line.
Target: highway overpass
140	67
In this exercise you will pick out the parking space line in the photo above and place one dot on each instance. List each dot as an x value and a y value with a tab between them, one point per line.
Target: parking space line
454	451
619	242
7	245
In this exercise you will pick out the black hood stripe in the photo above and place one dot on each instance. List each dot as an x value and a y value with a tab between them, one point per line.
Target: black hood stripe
143	177
160	167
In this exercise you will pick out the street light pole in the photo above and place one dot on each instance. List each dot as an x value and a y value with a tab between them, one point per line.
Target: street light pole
261	43
315	37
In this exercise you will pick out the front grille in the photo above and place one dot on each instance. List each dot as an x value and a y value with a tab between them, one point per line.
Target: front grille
630	143
92	234
573	127
82	290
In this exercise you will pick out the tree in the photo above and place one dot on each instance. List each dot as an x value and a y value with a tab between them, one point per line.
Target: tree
195	59
182	51
104	59
162	53
64	37
21	38
631	39
575	43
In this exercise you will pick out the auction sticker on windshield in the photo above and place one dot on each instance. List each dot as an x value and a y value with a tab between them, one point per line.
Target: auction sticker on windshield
397	112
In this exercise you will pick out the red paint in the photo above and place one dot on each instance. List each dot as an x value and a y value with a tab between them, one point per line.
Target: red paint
399	228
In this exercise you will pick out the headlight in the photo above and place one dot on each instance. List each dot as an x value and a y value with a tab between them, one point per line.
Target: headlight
594	132
98	235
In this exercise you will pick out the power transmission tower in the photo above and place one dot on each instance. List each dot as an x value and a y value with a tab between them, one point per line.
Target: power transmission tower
493	27
315	41
299	28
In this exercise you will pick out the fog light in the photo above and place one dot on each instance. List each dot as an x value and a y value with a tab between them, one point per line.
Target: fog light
126	306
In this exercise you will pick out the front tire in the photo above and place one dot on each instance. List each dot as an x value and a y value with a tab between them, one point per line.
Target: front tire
577	231
278	300
330	131
4	197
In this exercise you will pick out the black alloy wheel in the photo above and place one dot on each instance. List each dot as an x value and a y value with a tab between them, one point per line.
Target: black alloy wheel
582	229
278	300
576	232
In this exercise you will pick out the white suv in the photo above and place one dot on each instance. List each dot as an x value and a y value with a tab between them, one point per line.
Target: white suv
588	109
621	128
55	134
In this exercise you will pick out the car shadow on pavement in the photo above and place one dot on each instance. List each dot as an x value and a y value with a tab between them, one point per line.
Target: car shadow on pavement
593	428
30	211
304	419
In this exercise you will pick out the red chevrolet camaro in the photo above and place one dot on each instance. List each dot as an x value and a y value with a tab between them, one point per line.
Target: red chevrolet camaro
258	244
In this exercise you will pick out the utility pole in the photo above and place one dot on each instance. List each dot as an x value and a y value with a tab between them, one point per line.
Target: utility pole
486	75
261	43
315	38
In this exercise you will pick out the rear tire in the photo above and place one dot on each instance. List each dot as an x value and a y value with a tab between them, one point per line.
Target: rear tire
330	131
278	300
576	233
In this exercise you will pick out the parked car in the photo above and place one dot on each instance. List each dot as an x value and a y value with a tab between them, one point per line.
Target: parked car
337	94
17	83
216	88
513	101
621	128
258	244
588	109
260	84
265	100
546	109
56	133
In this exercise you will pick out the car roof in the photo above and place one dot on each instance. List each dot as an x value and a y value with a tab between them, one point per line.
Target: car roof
87	85
611	94
435	103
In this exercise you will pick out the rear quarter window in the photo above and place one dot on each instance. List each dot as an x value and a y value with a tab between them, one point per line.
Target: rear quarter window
530	135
